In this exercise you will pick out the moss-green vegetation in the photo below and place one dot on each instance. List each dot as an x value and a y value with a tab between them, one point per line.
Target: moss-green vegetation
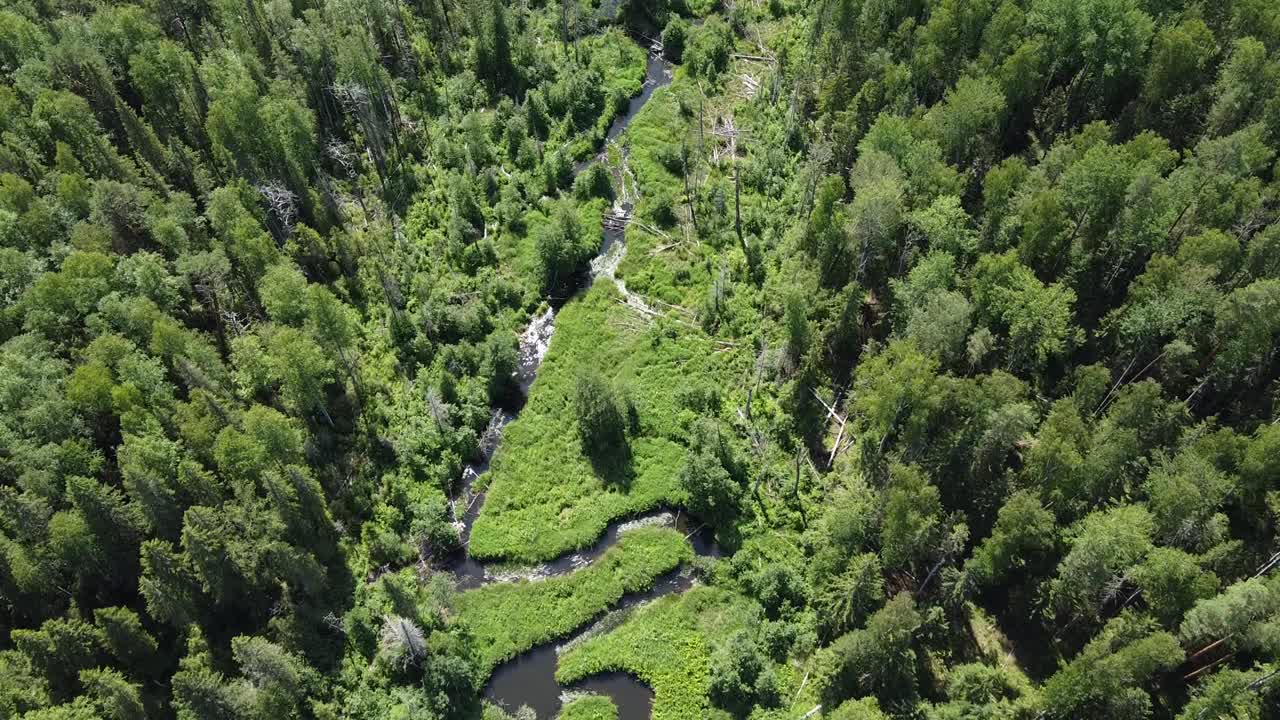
589	707
666	644
958	320
544	497
509	618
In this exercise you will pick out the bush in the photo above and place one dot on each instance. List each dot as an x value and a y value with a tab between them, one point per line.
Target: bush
674	37
736	671
670	157
713	495
662	207
708	52
779	589
594	182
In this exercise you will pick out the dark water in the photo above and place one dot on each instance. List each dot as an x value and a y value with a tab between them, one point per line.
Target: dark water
529	679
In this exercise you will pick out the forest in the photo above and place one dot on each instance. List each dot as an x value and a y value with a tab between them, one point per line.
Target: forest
631	359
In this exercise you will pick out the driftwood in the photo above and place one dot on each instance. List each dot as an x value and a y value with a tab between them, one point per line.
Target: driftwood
663	248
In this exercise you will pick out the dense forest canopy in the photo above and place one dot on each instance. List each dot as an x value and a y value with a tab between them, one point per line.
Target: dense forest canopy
958	321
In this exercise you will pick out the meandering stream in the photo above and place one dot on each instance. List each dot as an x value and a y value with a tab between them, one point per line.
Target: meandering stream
529	679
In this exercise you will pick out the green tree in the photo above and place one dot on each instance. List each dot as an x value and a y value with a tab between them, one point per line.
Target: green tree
167	584
279	680
59	650
1175	83
126	639
1186	495
1248	325
1037	318
845	600
1108	678
895	394
967	122
602	422
1232	615
1236	93
1105	41
1025	534
913	522
1105	547
1230	693
202	693
114	697
877	660
1171	582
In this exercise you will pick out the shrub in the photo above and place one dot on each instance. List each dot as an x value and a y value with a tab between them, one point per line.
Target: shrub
674	37
708	51
594	182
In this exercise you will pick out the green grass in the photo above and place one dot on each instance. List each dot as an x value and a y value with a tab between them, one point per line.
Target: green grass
666	644
543	497
589	707
509	618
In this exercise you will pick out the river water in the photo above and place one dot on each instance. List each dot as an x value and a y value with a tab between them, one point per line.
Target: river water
529	679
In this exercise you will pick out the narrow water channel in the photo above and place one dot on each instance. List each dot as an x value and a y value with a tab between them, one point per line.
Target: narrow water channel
529	679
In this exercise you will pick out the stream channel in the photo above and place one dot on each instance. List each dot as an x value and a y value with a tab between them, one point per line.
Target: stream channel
529	678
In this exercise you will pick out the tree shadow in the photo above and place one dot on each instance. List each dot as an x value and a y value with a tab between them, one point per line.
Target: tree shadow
614	464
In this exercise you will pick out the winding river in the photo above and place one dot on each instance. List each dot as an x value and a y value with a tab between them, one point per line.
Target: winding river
529	679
